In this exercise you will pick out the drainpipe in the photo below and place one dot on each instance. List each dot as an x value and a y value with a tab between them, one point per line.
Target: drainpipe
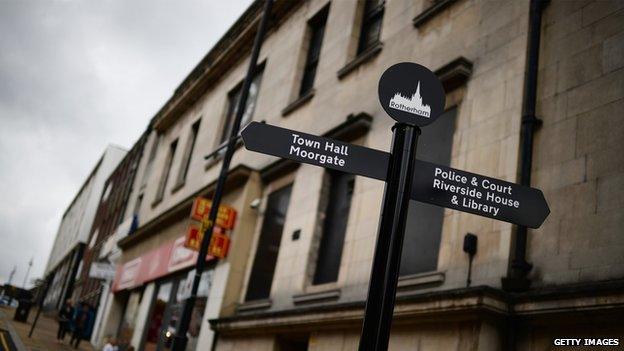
516	279
519	268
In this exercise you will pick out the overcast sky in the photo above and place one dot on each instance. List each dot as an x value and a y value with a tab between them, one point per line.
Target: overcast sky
74	77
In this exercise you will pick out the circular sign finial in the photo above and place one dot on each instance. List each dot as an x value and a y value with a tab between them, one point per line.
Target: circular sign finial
411	93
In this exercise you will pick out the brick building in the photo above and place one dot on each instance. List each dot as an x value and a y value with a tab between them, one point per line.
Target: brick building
112	220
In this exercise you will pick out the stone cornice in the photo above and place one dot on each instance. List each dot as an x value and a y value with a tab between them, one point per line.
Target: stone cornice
475	303
445	305
236	176
230	49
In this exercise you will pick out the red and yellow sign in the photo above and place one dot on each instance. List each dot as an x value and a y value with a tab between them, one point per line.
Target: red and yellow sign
193	237
219	242
171	256
225	217
219	245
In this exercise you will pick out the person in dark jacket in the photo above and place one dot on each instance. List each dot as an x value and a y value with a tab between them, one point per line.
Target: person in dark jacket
80	324
64	317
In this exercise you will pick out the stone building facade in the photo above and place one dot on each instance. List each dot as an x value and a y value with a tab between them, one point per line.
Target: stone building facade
297	272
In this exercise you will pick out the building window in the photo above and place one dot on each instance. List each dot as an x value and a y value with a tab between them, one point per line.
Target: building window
107	191
166	170
188	153
159	319
129	321
316	28
234	97
150	161
371	24
335	226
263	268
424	222
293	342
137	205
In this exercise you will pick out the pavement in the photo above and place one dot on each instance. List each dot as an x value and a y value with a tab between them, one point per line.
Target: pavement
15	334
6	342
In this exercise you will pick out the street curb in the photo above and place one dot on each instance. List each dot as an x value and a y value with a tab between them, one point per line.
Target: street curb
17	342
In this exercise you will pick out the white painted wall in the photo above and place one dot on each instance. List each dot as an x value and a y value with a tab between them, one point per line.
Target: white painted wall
78	219
142	315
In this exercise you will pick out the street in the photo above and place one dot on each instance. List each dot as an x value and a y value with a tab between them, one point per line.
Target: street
44	336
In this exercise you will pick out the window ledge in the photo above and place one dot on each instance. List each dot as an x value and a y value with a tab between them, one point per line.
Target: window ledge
316	296
298	103
178	186
157	202
254	305
420	280
360	59
431	12
213	161
210	162
455	73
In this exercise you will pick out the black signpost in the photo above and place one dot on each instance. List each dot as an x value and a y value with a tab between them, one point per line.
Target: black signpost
413	96
180	340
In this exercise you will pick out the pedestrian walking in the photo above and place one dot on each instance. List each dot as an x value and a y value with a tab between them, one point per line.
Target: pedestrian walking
111	345
65	315
80	323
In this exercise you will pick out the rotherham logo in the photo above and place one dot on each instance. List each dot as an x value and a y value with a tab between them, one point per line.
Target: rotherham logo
412	105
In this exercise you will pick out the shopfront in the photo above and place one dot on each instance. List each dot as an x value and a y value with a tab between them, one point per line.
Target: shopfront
154	287
166	309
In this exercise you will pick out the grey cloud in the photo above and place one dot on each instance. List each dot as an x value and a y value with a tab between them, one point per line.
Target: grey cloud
75	76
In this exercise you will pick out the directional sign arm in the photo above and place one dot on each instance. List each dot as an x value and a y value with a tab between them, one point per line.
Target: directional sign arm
477	194
316	150
433	184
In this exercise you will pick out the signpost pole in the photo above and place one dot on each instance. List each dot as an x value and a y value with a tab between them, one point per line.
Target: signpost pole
44	292
180	339
386	262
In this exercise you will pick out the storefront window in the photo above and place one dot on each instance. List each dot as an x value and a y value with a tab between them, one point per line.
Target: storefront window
167	310
198	310
155	322
171	326
128	322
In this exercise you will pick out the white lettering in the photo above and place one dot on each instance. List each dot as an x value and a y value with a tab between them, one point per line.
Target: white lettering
492	197
486	184
472	204
450	175
305	142
314	156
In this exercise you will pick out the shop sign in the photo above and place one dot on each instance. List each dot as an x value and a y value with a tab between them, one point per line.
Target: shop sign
127	275
193	237
166	259
219	242
180	257
226	216
219	245
102	270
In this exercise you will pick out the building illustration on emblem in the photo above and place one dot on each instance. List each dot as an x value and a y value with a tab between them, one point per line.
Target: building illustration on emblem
412	105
